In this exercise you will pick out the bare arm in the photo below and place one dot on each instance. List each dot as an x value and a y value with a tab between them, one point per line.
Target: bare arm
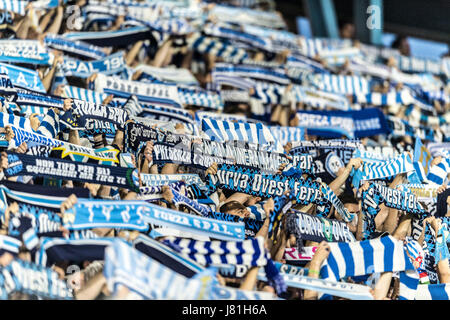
54	27
131	55
162	54
264	230
382	287
46	19
320	256
337	183
92	289
249	281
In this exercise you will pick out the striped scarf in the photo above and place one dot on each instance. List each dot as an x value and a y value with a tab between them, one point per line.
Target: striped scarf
16	6
167	256
222	131
380	170
220	78
320	99
251	253
270	93
385	254
21	136
74	47
276	75
19	122
341	84
10	245
227	32
167	113
437	174
422	160
200	97
384	99
125	266
177	75
217	48
433	292
84	94
162	94
400	127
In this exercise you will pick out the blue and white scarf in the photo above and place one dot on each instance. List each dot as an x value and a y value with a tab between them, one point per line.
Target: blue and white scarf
274	75
287	134
200	97
422	161
385	254
339	289
155	93
185	222
308	227
19	122
418	65
437	173
433	292
23	51
23	77
400	127
110	65
251	253
177	75
21	136
84	94
341	84
222	131
125	266
268	19
88	214
320	99
16	6
166	179
28	278
220	78
379	170
217	48
359	124
74	47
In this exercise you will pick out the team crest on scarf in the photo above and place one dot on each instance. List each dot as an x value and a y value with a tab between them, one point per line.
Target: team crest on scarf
333	163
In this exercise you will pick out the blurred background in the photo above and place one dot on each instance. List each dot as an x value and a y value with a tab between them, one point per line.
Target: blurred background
423	26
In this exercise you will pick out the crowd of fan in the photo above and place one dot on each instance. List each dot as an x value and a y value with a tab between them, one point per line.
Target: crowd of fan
188	46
